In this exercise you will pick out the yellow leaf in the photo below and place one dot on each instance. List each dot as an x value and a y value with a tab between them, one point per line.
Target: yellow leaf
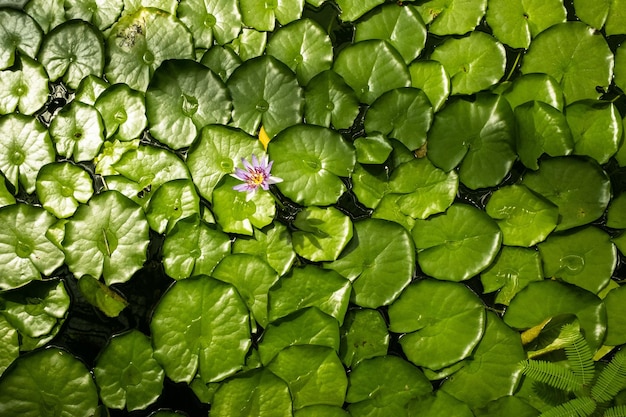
263	137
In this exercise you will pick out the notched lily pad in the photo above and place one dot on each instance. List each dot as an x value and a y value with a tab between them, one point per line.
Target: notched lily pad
101	14
210	20
19	33
262	16
431	77
452	17
62	186
272	244
123	111
78	131
23	87
173	201
321	233
330	101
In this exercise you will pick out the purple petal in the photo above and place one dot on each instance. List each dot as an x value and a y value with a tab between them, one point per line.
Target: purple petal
243	187
246	164
274	180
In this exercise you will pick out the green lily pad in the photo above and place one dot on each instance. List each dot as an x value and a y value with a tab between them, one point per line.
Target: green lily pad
304	47
221	60
596	129
370	184
438	404
123	112
457	244
19	33
265	91
402	27
384	384
24	87
372	149
330	101
272	244
140	41
515	23
379	260
571	53
48	14
10	346
101	14
620	67
106	299
363	336
607	13
193	248
262	16
108	236
524	218
90	89
389	209
314	374
27	147
546	299
71	51
249	44
578	187
512	271
404	114
62	186
616	214
305	327
478	136
321	411
351	10
371	68
452	17
310	159
173	201
437	334
25	250
6	198
492	372
321	233
474	63
615	302
210	20
127	374
182	98
260	389
169	6
201	325
431	77
584	257
78	131
533	87
46	383
507	406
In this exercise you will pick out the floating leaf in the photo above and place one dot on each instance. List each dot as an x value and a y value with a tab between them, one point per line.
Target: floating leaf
452	17
506	406
578	187
200	325
330	101
432	78
6	198
78	131
48	14
272	244
607	13
72	51
107	300
524	218
584	257
61	186
209	20
48	382
249	44
615	302
620	67
127	374
532	87
363	335
19	33
108	236
10	346
261	16
476	135
351	10
578	59
321	410
173	201
322	233
123	112
310	159
221	60
24	88
169	6
100	13
379	260
372	149
90	89
437	404
616	214
25	250
182	98
265	91
27	147
457	244
371	68
437	333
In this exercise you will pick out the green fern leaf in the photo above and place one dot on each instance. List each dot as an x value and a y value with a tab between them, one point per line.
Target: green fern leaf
578	353
619	411
612	379
552	374
578	407
548	394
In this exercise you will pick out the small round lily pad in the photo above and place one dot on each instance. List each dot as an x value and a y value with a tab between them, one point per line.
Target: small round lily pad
78	131
20	32
322	233
62	186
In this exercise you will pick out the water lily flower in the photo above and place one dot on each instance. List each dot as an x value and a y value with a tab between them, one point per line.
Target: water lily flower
254	175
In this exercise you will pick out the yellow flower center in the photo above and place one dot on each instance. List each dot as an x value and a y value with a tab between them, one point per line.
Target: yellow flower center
257	178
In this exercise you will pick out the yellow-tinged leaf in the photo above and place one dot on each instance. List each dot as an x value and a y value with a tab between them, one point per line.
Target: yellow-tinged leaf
263	137
532	333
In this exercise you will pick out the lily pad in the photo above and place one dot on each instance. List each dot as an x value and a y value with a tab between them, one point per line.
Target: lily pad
106	299
24	88
265	91
431	77
182	98
25	250
438	404
46	383
201	325
351	10
249	44
90	89
370	184
608	14
402	27
101	13
404	114
524	218
108	236
533	87
615	301
262	16
272	244
19	33
372	149
10	346
193	248
321	233
62	186
71	51
371	68
169	6
474	63
512	271
6	198
78	131
27	147
123	112
437	334
48	14
478	136
221	60
210	20
321	411
507	406
620	67
127	374
616	214
363	336
458	244
330	101
578	187
140	41
452	17
578	59
310	159
304	47
173	201
584	257
379	260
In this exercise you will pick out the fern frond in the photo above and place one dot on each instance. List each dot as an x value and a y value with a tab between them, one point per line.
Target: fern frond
548	394
578	353
552	374
612	379
578	407
619	411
